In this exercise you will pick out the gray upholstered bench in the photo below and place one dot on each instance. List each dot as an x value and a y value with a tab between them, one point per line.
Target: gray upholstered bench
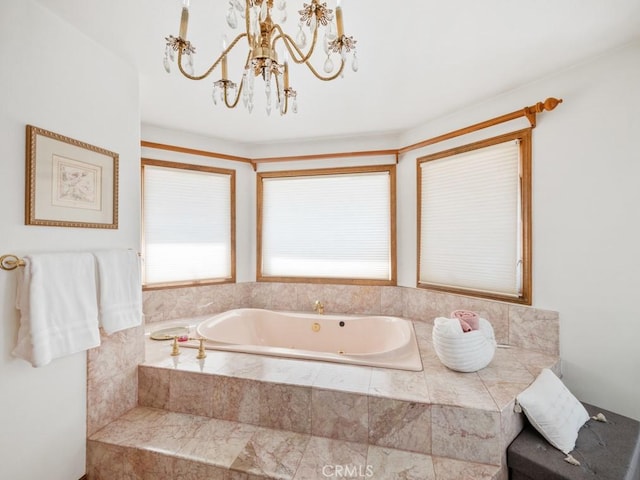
606	451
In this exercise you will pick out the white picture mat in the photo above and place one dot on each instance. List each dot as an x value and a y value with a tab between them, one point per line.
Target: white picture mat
48	153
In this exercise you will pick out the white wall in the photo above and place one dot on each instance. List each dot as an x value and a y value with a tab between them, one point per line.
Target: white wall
586	218
57	79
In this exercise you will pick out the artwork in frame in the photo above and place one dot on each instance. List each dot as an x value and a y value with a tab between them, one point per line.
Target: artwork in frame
69	183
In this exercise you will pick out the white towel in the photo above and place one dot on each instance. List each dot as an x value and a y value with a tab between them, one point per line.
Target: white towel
58	305
447	326
119	290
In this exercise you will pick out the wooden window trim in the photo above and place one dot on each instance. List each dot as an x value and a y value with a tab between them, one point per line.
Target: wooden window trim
199	168
525	137
391	169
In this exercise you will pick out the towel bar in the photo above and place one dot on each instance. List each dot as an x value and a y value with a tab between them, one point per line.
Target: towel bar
10	262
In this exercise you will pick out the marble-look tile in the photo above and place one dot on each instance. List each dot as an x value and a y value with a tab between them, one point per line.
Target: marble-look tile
153	387
104	461
534	329
151	429
243	365
504	367
347	378
349	299
339	415
423	334
146	465
112	376
153	302
534	362
236	399
450	469
512	424
398	464
447	387
503	393
116	353
285	407
273	369
214	299
271	454
185	302
190	393
419	304
190	470
217	442
326	458
466	434
398	384
167	303
274	296
400	425
110	398
391	301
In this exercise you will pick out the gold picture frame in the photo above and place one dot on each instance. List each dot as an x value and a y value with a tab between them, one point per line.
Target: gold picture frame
69	183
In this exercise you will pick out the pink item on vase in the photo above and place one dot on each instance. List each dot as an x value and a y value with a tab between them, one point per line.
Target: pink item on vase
468	320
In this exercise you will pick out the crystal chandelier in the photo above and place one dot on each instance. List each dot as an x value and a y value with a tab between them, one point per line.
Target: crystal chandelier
270	50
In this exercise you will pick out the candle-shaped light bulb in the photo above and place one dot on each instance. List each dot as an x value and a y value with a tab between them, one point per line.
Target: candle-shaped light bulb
184	19
224	57
286	70
339	19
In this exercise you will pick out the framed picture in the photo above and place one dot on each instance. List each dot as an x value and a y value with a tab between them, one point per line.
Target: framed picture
69	183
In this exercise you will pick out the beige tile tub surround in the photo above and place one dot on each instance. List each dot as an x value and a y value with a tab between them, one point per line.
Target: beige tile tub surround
434	412
237	382
521	326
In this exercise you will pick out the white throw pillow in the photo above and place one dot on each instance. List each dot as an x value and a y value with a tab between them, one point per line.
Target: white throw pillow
553	410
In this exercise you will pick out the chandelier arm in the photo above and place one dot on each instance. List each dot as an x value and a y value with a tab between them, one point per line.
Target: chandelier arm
326	79
289	42
235	103
241	83
215	64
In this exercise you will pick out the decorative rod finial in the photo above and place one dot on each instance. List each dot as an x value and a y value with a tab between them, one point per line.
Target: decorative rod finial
551	103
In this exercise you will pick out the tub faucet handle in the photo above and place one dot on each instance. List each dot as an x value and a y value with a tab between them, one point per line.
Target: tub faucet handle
175	350
318	307
201	353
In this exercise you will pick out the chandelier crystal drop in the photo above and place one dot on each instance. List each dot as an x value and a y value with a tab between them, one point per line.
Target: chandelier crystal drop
269	50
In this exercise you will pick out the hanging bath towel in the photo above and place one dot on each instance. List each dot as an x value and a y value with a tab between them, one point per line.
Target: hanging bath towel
119	290
58	307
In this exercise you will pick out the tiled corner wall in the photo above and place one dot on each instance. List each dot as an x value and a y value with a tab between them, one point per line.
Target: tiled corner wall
112	376
113	367
516	325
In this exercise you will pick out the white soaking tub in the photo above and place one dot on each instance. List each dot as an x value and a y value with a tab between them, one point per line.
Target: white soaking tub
376	341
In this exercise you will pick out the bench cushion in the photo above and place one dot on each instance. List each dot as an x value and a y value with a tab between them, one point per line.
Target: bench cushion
607	451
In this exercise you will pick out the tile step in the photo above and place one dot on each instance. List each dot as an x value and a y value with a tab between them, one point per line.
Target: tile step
155	444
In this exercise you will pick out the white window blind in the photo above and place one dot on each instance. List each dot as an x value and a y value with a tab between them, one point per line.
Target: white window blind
470	225
187	225
327	226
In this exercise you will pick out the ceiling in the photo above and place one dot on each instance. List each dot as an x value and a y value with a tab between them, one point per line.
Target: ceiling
418	59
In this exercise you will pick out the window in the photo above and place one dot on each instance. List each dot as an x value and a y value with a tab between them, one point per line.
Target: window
474	221
333	225
188	223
